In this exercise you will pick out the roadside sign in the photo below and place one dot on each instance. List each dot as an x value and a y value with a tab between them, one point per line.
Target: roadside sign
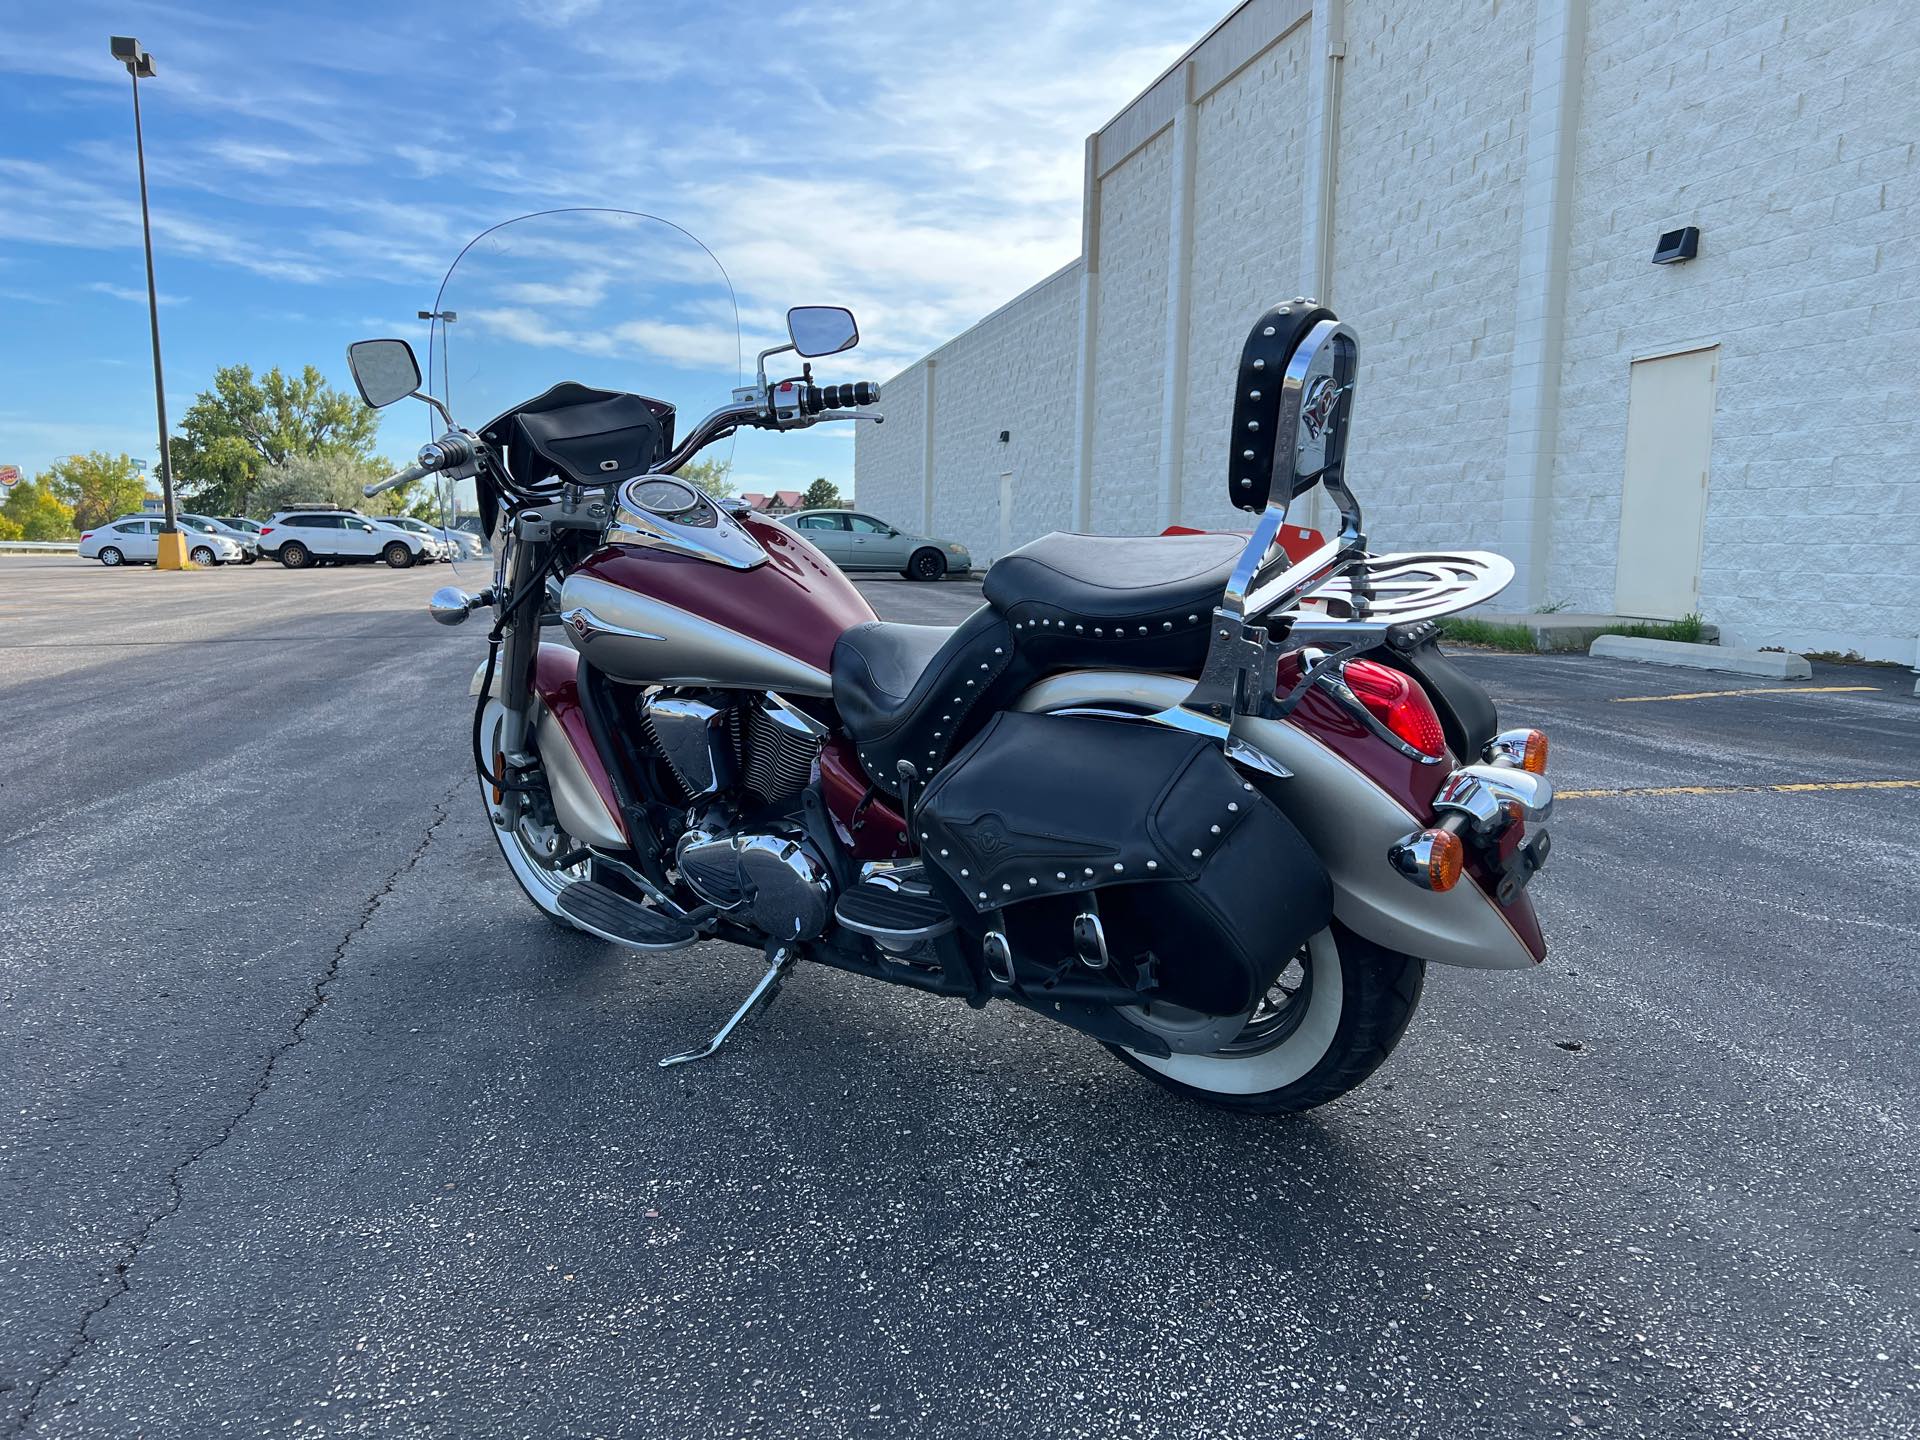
9	475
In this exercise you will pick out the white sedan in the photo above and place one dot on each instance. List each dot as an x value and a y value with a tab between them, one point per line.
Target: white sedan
135	540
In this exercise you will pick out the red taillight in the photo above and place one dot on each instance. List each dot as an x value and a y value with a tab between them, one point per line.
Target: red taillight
1397	702
87	536
266	529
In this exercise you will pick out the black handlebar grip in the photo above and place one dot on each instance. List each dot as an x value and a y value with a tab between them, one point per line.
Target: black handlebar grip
847	397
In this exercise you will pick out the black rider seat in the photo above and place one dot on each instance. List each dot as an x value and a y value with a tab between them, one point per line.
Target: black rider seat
915	693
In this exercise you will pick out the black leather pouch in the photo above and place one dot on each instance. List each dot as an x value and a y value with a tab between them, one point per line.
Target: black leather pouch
1203	886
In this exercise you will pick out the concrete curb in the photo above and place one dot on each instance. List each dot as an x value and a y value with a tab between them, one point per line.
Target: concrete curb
1765	664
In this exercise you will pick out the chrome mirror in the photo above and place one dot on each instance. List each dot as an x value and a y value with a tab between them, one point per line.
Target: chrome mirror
822	329
383	370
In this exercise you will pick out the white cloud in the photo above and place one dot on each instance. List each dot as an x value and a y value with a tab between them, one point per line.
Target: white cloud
919	161
138	297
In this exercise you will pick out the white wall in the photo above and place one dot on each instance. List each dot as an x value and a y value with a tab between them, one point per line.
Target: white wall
1250	136
1014	372
1787	134
1426	247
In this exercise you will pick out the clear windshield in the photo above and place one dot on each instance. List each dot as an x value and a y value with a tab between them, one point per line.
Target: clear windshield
610	298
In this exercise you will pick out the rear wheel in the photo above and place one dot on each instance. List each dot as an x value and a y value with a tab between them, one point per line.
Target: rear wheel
1330	1020
295	556
111	557
203	555
248	558
397	555
926	565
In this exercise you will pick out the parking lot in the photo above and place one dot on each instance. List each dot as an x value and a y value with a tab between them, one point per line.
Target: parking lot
316	1127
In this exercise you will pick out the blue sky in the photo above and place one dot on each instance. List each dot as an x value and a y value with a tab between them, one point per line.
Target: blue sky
315	168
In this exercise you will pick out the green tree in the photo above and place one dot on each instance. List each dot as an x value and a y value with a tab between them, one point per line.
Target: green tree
334	480
242	427
95	486
823	494
36	512
338	480
713	476
9	529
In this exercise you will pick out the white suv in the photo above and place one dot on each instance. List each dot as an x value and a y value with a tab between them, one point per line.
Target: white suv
299	538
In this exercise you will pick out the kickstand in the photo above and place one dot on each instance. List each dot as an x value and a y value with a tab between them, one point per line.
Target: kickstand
780	958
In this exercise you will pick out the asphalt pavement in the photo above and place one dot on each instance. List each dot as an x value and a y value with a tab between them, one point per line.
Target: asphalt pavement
315	1127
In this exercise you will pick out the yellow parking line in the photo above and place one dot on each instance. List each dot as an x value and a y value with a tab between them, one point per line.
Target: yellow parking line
1757	690
1793	789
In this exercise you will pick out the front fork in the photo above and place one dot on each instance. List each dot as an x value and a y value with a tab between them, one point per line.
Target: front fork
522	564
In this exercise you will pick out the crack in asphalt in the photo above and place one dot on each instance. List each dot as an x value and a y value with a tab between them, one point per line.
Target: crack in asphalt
322	986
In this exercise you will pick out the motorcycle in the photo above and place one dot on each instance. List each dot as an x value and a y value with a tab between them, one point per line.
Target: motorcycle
1211	806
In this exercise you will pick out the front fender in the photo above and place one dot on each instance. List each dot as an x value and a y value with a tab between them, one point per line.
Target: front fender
1350	822
583	794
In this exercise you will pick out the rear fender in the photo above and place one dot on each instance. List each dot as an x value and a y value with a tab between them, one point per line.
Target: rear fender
1350	822
583	794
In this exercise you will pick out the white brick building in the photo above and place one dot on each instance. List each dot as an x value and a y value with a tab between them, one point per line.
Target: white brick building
1478	187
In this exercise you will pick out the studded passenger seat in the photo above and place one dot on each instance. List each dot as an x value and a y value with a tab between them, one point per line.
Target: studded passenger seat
1063	602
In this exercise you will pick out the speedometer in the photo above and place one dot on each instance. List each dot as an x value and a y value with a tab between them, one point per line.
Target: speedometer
661	495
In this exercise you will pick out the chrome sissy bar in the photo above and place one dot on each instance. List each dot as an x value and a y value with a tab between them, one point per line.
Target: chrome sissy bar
1344	596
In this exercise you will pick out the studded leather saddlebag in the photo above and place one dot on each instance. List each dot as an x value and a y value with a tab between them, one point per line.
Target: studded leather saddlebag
1203	888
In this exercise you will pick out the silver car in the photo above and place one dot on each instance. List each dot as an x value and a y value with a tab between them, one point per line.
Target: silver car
854	541
248	542
438	546
135	540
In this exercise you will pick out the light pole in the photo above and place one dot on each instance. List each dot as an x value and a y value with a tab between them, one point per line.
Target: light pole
173	545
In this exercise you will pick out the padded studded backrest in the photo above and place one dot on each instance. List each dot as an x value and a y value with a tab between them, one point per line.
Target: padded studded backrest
1258	455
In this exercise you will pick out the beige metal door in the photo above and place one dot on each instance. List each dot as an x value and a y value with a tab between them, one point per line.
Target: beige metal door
1663	498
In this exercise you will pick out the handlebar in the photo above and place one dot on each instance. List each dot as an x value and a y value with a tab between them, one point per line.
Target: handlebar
406	476
449	451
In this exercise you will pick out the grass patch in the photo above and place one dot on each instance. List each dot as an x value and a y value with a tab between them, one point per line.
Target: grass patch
1509	636
1483	632
1853	657
1688	630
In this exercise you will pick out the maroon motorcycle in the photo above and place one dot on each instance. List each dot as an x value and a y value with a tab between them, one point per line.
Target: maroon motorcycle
1212	806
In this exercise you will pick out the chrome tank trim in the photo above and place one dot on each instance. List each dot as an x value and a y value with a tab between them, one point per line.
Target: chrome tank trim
699	528
1350	822
690	650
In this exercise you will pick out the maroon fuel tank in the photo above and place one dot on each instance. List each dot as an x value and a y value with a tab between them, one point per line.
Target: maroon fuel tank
648	615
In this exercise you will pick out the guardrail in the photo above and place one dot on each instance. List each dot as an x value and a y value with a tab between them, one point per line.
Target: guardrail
56	547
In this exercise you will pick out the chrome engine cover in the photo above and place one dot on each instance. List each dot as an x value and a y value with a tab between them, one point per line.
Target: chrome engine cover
693	735
772	880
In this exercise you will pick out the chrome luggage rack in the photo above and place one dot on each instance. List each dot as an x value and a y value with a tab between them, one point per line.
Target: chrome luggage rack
1339	600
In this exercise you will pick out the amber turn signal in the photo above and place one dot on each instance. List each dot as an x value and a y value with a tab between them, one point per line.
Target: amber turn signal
1431	859
1526	749
1534	758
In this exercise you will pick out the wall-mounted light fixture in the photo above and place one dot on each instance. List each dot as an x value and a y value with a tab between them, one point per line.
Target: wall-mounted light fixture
1677	245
